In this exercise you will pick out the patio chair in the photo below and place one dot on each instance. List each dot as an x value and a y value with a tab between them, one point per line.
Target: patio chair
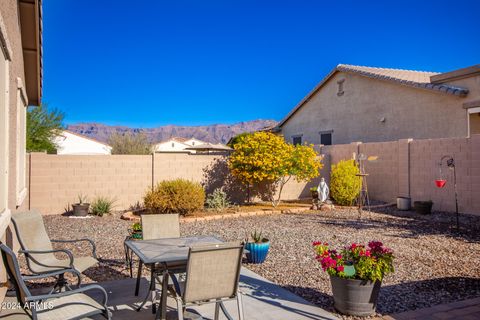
155	226
213	273
71	304
40	255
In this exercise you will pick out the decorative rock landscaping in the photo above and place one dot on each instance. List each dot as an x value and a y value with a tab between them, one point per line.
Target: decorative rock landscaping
434	264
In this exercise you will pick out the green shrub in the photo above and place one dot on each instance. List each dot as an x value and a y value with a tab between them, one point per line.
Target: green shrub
344	184
218	200
175	196
101	206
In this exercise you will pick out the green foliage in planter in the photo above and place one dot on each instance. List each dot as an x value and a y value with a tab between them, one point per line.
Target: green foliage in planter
102	205
218	200
175	196
344	184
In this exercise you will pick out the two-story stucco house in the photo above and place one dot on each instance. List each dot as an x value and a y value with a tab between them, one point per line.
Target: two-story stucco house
20	86
354	103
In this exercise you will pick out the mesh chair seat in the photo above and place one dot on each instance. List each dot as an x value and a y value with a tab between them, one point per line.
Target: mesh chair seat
69	307
80	264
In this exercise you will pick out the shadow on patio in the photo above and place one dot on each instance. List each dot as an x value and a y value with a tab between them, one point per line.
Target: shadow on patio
262	300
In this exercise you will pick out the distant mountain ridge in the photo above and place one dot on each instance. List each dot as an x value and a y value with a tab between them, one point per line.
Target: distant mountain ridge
215	133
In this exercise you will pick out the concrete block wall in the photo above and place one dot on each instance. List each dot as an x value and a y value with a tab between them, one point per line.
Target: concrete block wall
424	158
57	180
404	168
382	179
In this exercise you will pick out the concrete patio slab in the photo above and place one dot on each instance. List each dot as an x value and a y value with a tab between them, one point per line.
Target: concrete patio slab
262	300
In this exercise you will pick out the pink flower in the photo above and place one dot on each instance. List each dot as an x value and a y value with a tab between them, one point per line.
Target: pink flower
340	268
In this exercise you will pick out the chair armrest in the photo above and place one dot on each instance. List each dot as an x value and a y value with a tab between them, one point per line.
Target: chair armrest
94	248
70	292
28	253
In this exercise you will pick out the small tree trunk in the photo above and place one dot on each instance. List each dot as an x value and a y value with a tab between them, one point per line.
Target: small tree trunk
282	184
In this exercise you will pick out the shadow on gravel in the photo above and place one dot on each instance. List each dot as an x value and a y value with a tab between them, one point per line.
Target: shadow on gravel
409	223
427	293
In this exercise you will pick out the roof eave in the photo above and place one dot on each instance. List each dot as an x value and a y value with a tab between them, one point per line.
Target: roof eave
456	74
30	12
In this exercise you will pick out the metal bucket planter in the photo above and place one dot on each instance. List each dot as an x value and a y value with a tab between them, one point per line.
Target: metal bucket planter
423	207
403	203
355	297
257	252
80	209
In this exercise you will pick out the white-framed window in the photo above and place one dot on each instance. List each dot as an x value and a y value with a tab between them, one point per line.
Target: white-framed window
4	130
21	142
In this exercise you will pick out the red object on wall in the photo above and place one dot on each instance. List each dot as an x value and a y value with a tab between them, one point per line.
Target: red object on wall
440	183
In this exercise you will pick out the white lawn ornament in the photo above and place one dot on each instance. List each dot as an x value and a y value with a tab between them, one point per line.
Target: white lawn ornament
323	190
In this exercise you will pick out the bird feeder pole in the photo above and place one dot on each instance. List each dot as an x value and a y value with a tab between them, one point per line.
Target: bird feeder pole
451	164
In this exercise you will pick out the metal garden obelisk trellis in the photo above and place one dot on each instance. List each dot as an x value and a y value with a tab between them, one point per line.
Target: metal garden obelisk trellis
363	199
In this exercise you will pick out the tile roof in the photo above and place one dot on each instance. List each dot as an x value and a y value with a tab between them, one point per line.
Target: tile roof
411	78
419	79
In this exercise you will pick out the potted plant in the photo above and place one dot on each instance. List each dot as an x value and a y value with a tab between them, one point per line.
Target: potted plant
80	209
356	274
136	231
257	247
423	207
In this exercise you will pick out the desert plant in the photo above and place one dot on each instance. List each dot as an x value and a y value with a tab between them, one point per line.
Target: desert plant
345	182
82	198
129	143
43	126
175	196
266	157
102	205
256	237
218	200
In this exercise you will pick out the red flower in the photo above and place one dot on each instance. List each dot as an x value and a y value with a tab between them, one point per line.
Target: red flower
340	268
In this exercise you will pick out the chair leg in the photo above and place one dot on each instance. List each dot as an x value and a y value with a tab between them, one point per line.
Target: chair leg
179	309
217	310
240	306
139	276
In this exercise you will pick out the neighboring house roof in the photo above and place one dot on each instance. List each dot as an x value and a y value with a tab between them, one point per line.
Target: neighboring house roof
85	137
180	140
411	78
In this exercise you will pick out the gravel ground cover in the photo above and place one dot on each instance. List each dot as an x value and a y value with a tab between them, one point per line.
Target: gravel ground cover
434	264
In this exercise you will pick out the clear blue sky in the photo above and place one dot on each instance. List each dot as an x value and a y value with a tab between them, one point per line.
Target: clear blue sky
148	63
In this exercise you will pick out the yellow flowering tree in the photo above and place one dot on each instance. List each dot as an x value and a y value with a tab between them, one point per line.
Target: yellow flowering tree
265	157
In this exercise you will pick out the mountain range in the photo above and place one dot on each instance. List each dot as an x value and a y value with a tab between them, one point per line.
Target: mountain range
215	133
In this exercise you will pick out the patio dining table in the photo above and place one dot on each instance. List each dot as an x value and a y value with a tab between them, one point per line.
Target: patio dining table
166	255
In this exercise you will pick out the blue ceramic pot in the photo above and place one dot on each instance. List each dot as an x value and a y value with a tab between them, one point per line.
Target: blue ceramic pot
257	252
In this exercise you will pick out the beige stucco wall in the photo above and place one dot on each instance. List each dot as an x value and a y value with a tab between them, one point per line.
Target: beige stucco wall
10	20
355	116
10	16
